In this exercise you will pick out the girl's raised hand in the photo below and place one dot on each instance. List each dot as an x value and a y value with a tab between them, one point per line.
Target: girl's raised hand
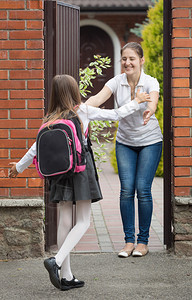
13	172
142	97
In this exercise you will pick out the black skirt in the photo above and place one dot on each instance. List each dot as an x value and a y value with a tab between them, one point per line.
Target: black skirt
80	186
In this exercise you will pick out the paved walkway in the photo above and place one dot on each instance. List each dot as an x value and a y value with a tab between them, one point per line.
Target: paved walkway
105	233
157	276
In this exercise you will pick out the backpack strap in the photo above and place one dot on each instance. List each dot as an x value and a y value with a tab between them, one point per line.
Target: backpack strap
87	132
77	123
89	144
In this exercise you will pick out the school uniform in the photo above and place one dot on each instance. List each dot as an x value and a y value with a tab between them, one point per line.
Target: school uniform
83	185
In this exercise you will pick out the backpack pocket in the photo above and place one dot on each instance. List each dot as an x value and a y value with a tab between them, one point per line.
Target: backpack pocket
55	155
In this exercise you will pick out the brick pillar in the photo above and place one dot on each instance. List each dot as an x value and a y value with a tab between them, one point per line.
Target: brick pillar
182	122
21	91
21	112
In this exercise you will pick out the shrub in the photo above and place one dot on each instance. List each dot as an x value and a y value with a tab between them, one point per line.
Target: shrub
113	153
152	35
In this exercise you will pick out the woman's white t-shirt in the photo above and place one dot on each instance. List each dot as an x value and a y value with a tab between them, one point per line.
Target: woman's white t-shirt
131	130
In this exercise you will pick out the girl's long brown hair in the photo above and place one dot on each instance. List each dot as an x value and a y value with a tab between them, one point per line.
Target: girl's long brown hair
65	98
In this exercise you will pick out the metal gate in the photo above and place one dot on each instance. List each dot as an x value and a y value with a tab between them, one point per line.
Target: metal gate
62	48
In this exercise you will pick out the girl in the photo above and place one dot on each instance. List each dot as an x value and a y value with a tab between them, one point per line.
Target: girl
82	188
138	147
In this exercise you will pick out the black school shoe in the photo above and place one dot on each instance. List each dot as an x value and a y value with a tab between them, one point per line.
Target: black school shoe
71	284
53	269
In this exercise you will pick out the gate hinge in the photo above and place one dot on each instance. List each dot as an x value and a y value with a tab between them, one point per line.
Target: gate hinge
171	135
170	27
44	31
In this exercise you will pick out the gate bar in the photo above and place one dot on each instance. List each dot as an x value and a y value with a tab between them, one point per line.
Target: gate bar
167	74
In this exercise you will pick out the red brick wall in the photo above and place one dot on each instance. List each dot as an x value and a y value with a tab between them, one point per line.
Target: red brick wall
21	91
182	97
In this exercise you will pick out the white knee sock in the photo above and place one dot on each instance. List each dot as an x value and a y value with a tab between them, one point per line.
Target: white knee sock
67	238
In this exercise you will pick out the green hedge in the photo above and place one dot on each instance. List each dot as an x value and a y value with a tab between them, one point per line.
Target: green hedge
152	35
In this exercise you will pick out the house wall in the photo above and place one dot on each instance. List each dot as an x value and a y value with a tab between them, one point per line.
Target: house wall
118	23
21	111
182	122
21	91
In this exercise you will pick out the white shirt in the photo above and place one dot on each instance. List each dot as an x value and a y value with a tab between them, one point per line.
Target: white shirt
86	114
131	130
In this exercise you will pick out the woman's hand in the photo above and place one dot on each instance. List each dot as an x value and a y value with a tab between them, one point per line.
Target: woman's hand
152	106
147	115
13	172
142	97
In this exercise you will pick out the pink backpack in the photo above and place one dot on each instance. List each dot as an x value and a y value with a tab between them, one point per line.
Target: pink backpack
60	149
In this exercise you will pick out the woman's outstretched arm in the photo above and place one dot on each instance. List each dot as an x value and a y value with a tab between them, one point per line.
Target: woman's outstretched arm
100	97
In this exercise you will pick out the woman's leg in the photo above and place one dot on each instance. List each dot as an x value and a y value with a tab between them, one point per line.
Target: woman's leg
148	161
127	164
83	213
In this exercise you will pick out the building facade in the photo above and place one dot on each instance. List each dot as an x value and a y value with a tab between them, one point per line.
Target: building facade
22	77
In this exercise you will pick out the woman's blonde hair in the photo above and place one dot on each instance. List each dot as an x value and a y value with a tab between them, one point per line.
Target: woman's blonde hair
65	98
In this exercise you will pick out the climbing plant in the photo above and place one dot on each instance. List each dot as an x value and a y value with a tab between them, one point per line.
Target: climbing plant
86	76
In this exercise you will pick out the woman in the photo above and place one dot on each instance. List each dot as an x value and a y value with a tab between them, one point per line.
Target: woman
138	145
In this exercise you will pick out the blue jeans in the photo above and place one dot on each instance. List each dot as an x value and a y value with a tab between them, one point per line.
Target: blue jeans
137	167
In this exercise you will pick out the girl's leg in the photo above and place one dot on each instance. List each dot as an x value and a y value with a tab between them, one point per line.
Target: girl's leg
64	227
83	213
127	164
148	161
65	216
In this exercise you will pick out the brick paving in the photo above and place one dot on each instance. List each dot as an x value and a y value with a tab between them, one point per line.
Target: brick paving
105	233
